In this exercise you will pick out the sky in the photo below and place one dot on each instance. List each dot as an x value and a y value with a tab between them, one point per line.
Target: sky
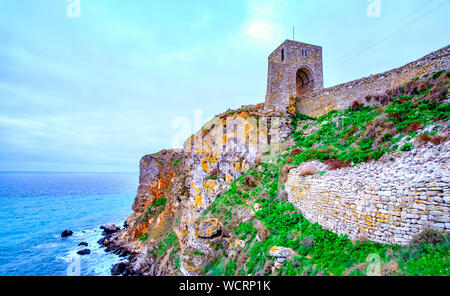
95	91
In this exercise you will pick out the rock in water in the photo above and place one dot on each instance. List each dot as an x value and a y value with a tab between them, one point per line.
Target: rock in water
84	252
110	229
118	268
83	244
66	233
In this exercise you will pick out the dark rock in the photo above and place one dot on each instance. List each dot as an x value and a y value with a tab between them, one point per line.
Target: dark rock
110	229
84	252
66	233
101	241
119	268
83	244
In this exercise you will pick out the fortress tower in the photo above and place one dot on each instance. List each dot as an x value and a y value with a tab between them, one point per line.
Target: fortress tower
295	69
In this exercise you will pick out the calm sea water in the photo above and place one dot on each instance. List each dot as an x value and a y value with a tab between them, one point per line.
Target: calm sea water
36	207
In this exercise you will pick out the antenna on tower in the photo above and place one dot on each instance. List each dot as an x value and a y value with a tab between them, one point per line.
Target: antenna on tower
293	33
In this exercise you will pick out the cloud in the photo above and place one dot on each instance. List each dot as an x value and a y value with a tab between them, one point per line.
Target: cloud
263	23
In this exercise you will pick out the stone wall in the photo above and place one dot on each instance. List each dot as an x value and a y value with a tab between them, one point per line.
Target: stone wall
341	96
385	201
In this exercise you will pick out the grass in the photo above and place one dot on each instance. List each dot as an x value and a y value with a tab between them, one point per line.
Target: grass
339	138
157	207
169	240
143	238
320	251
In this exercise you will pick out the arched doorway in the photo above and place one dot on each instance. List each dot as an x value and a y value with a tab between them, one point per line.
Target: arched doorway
305	81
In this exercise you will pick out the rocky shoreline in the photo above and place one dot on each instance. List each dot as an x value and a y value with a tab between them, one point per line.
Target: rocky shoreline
137	263
110	242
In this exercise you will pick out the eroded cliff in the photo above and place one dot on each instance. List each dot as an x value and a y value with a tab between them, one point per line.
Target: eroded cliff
244	194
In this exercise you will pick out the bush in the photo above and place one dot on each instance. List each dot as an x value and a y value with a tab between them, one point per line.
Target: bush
143	238
436	140
438	74
429	236
356	105
334	164
407	147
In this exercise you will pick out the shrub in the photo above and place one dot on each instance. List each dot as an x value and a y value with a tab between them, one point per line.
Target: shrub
308	242
413	127
334	164
356	105
438	74
143	238
407	147
296	151
425	138
170	240
429	236
435	139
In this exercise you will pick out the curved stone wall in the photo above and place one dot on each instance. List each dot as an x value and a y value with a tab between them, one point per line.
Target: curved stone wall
387	202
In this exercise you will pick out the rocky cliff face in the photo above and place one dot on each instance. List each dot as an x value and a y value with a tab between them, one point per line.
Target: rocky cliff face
235	202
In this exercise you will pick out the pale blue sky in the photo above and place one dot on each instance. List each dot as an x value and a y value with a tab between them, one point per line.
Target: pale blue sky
96	93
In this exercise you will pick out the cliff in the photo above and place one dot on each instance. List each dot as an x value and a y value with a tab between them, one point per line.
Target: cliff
360	190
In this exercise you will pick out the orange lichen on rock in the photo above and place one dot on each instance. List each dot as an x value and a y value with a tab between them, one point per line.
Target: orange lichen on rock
141	229
198	199
210	185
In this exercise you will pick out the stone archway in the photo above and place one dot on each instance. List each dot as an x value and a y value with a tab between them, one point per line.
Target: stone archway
304	81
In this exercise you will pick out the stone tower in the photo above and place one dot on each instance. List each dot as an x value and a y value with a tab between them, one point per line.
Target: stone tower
295	69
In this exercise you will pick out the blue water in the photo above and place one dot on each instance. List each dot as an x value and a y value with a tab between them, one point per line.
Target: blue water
36	207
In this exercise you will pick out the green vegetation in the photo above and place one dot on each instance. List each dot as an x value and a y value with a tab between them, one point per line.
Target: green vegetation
405	112
143	238
170	240
320	251
246	229
157	207
353	136
438	74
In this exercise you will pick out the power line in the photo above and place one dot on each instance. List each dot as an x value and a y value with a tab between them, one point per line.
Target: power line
371	46
363	44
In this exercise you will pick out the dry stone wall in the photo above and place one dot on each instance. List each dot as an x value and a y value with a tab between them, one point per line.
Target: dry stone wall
342	96
384	201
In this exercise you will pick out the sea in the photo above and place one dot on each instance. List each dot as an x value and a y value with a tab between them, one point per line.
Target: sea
35	208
